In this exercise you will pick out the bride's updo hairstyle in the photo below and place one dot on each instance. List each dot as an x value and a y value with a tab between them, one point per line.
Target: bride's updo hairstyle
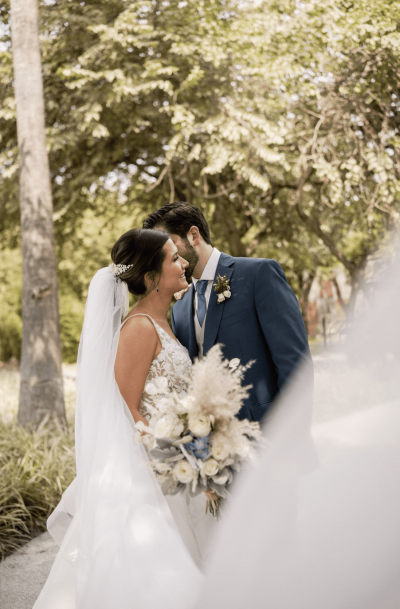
143	248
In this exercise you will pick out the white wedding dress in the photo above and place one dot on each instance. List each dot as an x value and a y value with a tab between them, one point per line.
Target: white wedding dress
195	525
122	543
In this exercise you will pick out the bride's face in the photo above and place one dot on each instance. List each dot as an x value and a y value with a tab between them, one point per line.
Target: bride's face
173	270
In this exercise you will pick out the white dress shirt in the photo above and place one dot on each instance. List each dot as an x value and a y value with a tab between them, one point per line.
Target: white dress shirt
208	275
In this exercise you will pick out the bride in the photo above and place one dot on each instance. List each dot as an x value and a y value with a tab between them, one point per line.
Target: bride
122	543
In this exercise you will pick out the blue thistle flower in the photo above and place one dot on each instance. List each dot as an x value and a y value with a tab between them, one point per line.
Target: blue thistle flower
200	447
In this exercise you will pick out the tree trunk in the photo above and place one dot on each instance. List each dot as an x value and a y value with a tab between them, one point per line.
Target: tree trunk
356	286
41	394
305	284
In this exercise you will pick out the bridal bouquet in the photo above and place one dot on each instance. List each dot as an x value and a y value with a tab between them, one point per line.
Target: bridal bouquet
194	441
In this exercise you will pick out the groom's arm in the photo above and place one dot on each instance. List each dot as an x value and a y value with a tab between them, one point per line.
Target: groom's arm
281	321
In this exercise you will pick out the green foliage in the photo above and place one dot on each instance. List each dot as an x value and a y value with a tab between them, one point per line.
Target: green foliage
279	120
10	304
10	336
87	249
341	122
71	320
35	469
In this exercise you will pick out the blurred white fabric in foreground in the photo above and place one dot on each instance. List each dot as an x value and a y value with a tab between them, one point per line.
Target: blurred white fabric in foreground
331	539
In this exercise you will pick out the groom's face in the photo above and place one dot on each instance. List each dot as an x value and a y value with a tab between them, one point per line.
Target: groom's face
186	251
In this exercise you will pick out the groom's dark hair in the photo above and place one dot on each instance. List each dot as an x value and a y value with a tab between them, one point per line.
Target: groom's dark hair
178	218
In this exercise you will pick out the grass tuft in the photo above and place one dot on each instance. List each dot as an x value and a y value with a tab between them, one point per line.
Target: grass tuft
35	469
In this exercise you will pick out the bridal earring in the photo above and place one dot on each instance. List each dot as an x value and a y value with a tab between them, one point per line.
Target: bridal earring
157	287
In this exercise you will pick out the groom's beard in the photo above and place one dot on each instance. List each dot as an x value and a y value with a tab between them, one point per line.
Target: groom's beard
191	256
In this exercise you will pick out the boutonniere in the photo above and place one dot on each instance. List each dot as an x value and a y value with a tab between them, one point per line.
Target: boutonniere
222	288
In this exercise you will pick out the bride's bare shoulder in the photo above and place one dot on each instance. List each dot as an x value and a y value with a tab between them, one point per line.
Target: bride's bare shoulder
138	338
139	324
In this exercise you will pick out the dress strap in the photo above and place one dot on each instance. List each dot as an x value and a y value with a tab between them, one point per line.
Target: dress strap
155	324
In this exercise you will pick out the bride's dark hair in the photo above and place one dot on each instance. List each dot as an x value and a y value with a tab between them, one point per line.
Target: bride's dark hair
143	248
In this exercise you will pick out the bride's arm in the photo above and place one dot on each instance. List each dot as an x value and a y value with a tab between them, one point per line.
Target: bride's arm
137	347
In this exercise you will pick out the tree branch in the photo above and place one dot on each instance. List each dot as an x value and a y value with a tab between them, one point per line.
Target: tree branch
171	185
159	179
314	225
339	293
223	192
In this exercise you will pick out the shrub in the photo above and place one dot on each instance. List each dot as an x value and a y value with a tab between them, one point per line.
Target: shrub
72	309
35	469
10	335
10	304
71	321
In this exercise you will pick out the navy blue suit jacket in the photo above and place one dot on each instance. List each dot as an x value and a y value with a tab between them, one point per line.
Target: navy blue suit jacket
261	321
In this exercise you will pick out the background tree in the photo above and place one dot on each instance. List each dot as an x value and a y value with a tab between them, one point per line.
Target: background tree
278	119
41	380
337	164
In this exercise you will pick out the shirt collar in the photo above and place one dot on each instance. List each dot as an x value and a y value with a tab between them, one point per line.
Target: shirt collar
211	267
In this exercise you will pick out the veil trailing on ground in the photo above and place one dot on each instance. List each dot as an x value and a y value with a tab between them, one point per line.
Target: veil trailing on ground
119	543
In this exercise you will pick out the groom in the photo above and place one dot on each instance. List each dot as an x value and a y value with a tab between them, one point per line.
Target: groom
253	312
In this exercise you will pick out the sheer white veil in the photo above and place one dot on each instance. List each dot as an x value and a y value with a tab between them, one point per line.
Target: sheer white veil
335	546
119	543
329	540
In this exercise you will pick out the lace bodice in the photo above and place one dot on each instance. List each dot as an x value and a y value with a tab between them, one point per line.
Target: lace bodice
173	363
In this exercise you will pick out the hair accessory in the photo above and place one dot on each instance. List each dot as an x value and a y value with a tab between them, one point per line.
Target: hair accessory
117	269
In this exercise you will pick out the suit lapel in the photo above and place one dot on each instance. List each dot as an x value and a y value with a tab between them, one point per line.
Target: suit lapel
215	310
188	319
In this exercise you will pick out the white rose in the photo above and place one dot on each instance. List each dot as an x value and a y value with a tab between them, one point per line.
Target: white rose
185	404
199	425
184	472
219	450
221	298
227	293
211	467
164	427
169	426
